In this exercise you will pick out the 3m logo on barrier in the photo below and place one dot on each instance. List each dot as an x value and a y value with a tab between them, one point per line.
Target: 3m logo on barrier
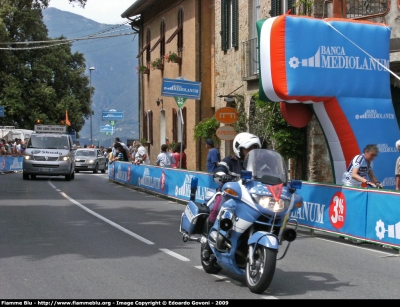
336	57
373	114
392	230
337	210
389	181
120	174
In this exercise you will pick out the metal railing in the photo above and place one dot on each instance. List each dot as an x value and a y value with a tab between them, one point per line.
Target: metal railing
250	58
360	8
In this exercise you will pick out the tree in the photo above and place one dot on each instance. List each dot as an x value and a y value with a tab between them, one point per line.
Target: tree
39	83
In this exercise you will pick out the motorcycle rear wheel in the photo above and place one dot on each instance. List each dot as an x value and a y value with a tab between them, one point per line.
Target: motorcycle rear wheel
259	279
210	265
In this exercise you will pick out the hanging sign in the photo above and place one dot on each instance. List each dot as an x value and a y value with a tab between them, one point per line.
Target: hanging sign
227	115
226	133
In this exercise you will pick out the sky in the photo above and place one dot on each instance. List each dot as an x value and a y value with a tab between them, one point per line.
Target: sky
102	11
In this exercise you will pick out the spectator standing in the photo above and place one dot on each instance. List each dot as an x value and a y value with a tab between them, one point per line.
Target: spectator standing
176	153
118	140
213	157
397	171
141	155
165	159
122	155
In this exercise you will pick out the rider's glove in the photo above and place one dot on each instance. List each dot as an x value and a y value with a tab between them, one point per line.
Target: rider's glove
370	184
221	177
379	185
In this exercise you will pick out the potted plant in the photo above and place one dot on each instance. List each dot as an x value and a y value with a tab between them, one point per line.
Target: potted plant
172	57
142	69
157	64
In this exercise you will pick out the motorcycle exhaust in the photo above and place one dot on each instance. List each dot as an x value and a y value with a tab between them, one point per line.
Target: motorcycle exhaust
186	238
289	235
226	220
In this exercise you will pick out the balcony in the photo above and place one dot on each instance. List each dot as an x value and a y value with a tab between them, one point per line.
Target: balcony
250	60
360	9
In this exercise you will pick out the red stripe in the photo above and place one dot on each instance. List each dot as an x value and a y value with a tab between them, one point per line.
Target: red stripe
346	136
278	57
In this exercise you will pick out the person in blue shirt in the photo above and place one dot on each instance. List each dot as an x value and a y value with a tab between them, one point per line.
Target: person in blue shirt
213	157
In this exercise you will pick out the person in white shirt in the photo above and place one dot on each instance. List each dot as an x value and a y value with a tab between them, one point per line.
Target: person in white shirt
165	159
361	167
141	156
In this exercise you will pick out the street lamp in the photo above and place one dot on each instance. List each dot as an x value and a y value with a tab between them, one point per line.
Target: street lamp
91	111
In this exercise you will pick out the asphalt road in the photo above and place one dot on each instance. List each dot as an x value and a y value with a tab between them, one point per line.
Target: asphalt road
90	238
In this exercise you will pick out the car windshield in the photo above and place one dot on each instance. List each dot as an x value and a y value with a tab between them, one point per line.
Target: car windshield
267	166
85	153
48	141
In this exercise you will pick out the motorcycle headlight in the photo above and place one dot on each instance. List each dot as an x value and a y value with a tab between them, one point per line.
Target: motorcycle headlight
270	203
281	205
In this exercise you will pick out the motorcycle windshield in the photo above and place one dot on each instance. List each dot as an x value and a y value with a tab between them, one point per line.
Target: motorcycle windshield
267	166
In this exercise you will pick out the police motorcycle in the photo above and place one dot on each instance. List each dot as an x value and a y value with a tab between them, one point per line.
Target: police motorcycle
252	223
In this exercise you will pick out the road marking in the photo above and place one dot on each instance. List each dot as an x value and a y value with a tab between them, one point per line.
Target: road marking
268	297
360	247
173	254
132	234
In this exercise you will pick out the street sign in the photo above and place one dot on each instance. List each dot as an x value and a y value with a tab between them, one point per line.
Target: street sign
106	128
226	133
181	88
227	115
180	101
112	115
1	111
50	129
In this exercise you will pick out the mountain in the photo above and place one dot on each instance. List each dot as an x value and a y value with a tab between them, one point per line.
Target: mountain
114	78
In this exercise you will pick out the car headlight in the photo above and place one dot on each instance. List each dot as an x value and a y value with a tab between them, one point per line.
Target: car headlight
91	161
270	203
28	157
65	158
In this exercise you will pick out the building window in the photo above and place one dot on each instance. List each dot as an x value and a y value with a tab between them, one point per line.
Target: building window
163	135
255	16
148	40
179	131
174	125
160	41
178	32
145	126
229	24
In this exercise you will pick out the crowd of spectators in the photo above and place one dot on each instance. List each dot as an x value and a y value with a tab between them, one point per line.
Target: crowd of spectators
14	147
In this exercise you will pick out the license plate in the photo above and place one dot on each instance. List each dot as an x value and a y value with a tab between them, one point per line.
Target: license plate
45	170
78	164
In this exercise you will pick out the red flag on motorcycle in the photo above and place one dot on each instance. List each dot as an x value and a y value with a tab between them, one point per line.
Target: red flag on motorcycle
276	191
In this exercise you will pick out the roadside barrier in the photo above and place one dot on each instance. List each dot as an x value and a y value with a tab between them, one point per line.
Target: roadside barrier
11	163
368	215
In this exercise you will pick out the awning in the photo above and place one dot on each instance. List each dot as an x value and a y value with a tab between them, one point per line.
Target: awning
147	46
179	29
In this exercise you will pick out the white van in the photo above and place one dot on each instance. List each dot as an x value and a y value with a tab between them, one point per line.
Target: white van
49	154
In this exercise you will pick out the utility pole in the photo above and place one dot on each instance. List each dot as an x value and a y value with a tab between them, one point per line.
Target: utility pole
91	110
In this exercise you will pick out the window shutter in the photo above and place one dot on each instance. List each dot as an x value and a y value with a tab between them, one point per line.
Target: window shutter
174	126
275	8
235	23
145	136
150	119
184	137
292	7
224	24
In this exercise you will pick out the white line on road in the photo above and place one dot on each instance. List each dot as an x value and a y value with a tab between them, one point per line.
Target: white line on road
173	254
132	234
360	247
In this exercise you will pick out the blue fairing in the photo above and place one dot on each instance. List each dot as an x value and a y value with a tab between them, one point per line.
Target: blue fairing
265	239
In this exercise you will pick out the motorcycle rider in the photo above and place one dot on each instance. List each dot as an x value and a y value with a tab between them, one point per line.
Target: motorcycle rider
229	169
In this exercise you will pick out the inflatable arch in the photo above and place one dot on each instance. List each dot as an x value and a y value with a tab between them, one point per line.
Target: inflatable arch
339	66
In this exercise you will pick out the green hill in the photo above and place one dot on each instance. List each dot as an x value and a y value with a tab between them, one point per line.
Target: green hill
114	78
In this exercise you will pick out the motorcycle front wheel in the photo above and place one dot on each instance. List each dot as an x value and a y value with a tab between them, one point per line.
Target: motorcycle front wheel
209	265
260	276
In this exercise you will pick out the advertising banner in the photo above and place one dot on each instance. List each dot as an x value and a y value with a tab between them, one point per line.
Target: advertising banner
8	163
333	208
2	164
171	182
383	217
181	88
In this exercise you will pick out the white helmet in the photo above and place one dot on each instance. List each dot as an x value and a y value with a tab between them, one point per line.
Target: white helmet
398	144
244	140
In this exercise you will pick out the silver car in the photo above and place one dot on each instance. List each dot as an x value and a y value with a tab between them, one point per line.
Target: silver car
90	159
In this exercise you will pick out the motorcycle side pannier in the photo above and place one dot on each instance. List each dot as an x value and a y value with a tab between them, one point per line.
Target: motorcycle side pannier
193	218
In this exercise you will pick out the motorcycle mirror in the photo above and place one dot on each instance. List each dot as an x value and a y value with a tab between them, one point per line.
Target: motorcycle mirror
246	175
295	184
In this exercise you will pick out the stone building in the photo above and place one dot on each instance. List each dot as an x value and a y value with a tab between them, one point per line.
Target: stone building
185	28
